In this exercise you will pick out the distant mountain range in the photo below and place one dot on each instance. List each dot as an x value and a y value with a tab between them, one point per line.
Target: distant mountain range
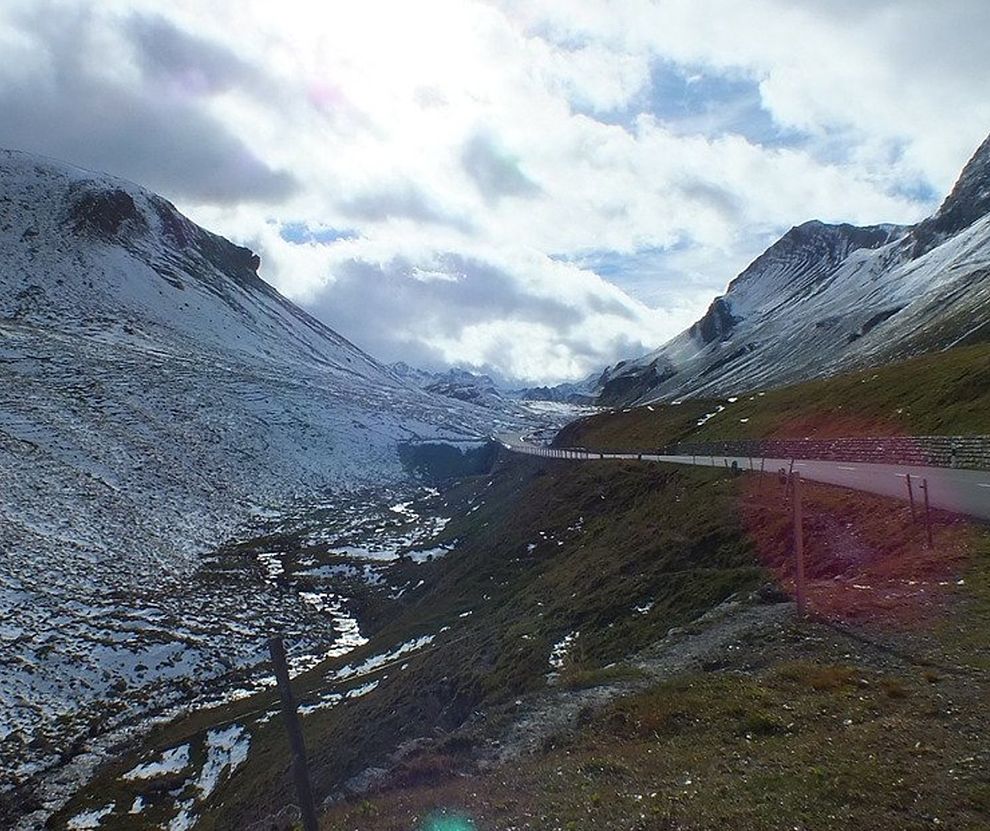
829	297
483	391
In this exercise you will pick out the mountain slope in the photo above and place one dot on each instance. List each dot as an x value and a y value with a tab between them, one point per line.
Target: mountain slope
127	327
155	394
826	297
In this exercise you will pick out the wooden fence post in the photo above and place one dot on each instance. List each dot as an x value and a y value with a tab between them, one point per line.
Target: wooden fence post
911	497
798	544
928	518
299	769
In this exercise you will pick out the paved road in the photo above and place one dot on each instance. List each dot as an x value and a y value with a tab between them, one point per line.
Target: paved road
963	491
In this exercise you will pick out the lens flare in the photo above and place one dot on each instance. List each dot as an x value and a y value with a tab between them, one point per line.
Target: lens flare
448	822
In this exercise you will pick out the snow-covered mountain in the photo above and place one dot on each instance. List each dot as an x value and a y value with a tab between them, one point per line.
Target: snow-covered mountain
828	297
580	392
155	393
483	391
459	384
144	356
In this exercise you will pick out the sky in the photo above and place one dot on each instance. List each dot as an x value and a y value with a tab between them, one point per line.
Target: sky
533	188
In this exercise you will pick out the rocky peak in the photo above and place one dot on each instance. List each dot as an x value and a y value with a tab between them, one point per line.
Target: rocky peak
716	324
819	243
968	201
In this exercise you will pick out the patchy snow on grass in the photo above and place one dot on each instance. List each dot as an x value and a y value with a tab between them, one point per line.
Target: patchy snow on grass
558	655
185	820
428	554
380	660
364	689
226	748
90	819
174	760
709	416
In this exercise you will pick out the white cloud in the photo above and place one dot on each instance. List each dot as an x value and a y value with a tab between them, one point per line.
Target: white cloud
466	164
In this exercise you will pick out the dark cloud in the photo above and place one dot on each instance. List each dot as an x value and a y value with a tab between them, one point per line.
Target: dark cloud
386	308
402	202
496	174
160	138
167	54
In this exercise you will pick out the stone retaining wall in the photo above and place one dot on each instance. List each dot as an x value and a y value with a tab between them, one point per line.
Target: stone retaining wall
936	451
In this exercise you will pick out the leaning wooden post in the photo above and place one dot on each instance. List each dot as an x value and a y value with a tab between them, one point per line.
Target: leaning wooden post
928	518
911	497
299	770
798	545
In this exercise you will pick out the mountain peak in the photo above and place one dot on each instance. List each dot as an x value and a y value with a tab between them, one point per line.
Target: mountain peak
968	201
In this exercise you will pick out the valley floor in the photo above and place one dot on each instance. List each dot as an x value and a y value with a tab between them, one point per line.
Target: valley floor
121	661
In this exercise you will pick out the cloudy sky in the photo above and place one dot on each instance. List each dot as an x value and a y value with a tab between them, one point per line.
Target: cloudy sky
532	187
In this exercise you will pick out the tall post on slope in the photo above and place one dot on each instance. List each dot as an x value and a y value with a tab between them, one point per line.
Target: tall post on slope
911	498
798	545
300	771
928	517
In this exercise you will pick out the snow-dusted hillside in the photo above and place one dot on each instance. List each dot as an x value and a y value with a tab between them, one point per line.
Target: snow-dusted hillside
827	297
146	364
155	393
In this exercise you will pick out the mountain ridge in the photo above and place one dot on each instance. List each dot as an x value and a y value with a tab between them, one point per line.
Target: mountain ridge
825	297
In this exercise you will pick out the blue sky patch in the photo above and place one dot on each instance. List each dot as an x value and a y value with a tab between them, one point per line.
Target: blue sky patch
301	232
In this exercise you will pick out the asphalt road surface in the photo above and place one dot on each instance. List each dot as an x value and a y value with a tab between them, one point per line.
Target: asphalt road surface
962	491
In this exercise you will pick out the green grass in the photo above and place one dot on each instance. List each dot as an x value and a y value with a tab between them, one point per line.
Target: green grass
549	548
800	727
946	393
756	752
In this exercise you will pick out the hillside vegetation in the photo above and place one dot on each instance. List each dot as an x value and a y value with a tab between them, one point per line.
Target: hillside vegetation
946	393
618	552
870	714
685	695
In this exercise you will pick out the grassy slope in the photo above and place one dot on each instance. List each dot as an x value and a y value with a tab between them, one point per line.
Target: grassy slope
872	716
605	538
947	393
